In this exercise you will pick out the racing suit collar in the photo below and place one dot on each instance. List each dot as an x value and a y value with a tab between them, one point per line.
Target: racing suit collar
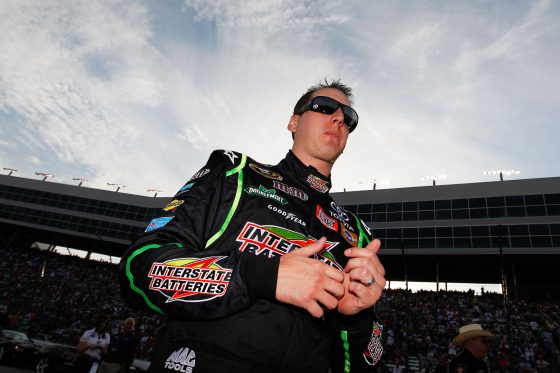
308	175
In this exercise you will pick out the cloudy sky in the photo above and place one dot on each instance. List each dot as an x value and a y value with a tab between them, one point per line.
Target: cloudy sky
139	92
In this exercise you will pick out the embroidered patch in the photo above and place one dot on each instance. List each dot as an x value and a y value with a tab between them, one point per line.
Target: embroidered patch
266	193
231	155
182	360
326	220
375	349
158	223
293	191
318	183
190	279
185	188
273	241
265	172
350	237
172	206
200	173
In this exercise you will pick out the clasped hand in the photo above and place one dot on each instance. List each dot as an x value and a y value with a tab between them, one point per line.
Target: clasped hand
310	284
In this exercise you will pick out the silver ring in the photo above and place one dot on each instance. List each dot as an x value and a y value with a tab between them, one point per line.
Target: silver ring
371	282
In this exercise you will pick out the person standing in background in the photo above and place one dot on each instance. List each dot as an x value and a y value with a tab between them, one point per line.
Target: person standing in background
121	349
475	343
93	344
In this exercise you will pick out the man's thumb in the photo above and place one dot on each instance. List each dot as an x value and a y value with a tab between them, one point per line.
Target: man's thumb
310	249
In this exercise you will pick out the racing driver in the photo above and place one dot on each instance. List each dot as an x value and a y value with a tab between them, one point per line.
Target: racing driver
256	267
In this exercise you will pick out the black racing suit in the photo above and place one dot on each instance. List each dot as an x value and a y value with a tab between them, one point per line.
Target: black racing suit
210	263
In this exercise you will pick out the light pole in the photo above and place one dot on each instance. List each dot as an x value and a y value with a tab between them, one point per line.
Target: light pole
154	190
434	178
12	170
119	186
44	174
374	182
80	180
501	173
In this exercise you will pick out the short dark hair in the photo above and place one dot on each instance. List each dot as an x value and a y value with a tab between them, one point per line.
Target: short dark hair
336	84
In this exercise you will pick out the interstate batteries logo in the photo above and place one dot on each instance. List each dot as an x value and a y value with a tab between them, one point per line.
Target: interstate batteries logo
190	279
274	241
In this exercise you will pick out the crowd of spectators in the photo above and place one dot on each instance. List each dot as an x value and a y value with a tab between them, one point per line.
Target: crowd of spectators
57	296
422	325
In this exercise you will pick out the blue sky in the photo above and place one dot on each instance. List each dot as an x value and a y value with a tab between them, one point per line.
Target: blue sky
139	93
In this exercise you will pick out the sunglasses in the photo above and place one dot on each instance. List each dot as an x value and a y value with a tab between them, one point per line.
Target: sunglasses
327	105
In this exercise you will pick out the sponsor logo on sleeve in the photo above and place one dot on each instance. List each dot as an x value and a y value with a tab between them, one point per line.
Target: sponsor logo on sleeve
185	188
273	241
318	184
172	206
190	279
231	155
290	190
265	172
158	223
326	220
182	360
200	174
266	193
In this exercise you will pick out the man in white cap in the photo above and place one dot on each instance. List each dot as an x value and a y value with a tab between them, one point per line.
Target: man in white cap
475	342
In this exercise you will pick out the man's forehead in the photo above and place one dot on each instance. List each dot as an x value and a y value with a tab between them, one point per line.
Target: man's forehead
332	93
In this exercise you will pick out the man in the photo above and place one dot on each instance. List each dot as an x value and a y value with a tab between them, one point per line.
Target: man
475	342
257	268
121	350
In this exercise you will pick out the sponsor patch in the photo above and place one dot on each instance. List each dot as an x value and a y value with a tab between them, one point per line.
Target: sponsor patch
318	184
231	155
265	172
287	215
172	206
158	223
199	174
340	214
185	188
374	351
290	190
190	279
366	228
350	237
182	360
266	193
275	241
326	220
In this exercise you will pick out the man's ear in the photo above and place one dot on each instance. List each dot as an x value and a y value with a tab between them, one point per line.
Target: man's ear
292	124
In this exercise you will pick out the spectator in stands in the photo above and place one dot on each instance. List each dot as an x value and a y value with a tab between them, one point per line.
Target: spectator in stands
93	345
475	348
121	349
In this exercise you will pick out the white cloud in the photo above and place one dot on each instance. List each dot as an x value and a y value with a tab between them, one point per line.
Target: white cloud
138	94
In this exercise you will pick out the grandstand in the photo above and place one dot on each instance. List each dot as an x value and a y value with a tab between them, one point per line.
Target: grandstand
482	232
509	231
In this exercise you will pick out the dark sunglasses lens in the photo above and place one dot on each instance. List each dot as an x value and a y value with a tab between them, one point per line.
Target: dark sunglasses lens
327	105
324	105
350	117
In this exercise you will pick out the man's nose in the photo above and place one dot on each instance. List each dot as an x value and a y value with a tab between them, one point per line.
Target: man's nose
338	117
